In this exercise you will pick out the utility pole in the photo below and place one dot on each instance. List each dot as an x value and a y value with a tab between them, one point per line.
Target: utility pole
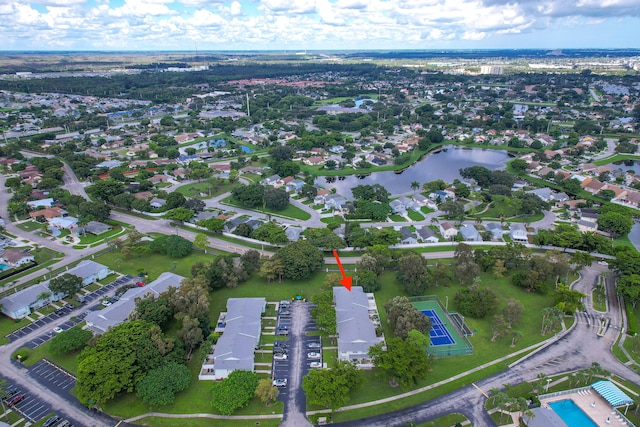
248	111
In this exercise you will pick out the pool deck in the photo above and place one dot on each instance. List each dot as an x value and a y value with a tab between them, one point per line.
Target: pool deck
586	400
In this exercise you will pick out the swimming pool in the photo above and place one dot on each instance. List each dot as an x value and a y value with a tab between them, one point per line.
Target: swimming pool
571	414
4	267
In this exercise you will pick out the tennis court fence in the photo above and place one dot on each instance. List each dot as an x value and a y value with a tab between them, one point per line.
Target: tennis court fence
461	349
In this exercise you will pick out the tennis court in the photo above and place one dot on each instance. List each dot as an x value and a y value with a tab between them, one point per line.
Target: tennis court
439	334
446	338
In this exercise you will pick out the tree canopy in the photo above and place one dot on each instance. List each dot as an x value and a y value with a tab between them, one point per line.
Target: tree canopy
330	388
234	392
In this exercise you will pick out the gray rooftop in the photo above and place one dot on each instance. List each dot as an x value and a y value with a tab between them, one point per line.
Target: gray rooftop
544	417
14	302
356	332
86	269
235	348
100	321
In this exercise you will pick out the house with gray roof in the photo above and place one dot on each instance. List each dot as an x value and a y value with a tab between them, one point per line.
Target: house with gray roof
335	202
518	232
546	194
495	229
469	233
96	228
427	235
42	203
398	207
293	233
89	271
118	312
407	238
357	319
16	257
240	337
20	304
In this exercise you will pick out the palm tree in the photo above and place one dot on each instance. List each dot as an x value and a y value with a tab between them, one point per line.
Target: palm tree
415	185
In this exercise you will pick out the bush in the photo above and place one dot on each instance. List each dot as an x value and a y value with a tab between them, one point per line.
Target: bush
631	320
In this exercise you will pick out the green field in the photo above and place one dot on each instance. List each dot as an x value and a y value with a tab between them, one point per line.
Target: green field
289	212
194	189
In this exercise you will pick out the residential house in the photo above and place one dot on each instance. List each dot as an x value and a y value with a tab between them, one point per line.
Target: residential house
48	213
398	207
427	235
593	186
293	233
518	232
20	304
440	196
157	179
495	229
335	202
587	226
409	204
356	322
42	203
89	271
588	214
96	228
273	181
250	169
407	238
294	186
143	195
545	194
447	230
100	321
236	346
157	203
313	161
16	257
231	225
470	234
320	196
67	222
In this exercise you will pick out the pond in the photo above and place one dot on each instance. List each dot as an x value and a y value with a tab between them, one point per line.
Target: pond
625	165
444	164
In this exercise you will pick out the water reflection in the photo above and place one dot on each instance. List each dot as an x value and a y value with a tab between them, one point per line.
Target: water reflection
444	165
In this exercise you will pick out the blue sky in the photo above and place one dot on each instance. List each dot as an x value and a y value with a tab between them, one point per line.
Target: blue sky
317	24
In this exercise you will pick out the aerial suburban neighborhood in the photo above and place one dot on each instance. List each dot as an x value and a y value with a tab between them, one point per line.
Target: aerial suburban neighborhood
321	239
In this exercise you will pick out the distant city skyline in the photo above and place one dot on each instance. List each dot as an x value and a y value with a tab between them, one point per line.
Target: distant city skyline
288	25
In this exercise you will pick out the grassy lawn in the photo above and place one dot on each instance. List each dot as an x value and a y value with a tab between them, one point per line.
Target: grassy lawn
8	325
415	215
194	189
623	241
599	298
446	421
195	399
89	239
333	220
152	264
321	171
110	278
426	210
397	218
29	226
93	287
68	361
204	422
616	158
289	212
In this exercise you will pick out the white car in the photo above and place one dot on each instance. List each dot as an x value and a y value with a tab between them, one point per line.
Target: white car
314	355
106	302
315	365
313	345
280	382
280	356
603	263
57	329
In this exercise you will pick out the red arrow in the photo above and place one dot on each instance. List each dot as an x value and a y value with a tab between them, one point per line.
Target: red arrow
345	281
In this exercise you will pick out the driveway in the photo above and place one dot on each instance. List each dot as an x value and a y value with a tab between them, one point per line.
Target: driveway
295	405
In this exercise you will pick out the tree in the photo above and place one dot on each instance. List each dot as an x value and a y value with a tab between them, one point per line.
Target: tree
512	312
415	185
70	340
249	196
403	317
498	327
191	334
190	298
369	281
117	361
475	301
629	287
179	214
324	238
134	237
330	388
272	269
156	310
201	241
412	273
404	361
195	205
325	313
234	392
174	246
270	232
300	260
215	225
65	284
94	211
160	385
266	391
276	198
568	300
551	319
618	224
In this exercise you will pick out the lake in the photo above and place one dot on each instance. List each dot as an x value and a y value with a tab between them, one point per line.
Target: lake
444	164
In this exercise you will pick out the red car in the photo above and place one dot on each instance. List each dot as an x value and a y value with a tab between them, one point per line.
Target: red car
140	284
15	400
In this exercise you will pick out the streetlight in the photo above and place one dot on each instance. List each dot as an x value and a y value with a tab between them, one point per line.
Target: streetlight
547	388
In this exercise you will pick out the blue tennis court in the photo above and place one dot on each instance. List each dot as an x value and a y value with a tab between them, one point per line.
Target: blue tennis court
438	334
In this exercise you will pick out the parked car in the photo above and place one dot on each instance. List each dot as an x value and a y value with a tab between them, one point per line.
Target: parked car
106	302
315	365
140	284
16	399
10	391
280	344
314	355
313	345
285	313
279	350
64	423
280	382
57	329
51	421
280	356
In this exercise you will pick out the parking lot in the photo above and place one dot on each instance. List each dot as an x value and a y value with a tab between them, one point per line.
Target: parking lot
41	339
53	376
40	323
